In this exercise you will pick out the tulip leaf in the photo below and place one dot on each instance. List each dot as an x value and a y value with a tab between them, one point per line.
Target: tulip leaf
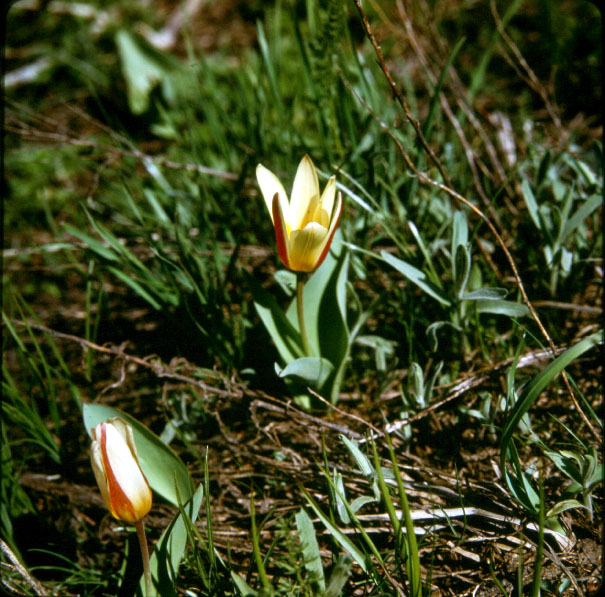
160	465
285	336
169	550
312	371
325	308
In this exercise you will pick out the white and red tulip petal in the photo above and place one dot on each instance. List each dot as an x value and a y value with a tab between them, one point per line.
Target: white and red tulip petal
269	185
282	231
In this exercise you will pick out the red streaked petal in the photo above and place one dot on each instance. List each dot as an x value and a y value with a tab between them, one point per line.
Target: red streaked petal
281	231
121	506
269	185
98	468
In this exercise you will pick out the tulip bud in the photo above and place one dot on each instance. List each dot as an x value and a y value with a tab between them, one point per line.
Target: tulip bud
116	467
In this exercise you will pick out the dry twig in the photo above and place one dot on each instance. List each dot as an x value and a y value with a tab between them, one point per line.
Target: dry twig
27	577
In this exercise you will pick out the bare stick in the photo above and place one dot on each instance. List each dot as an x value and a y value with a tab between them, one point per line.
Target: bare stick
399	96
157	367
29	579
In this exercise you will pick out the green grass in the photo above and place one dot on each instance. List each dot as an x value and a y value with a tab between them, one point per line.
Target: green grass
140	274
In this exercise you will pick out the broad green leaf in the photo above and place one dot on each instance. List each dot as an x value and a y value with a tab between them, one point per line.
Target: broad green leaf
459	240
310	549
564	505
567	462
340	496
531	203
519	482
143	68
497	307
339	576
462	271
363	462
286	280
312	371
169	550
487	294
416	380
160	465
592	203
361	501
382	347
324	301
415	276
285	336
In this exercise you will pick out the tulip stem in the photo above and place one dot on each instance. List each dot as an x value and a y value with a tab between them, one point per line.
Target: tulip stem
300	282
144	554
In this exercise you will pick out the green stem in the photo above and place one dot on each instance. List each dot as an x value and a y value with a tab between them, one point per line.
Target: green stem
300	282
260	564
540	546
144	554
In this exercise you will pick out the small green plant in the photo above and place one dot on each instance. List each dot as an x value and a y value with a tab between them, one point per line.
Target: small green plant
519	481
465	298
563	195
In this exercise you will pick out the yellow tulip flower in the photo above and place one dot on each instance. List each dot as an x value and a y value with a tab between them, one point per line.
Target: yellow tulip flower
116	467
305	224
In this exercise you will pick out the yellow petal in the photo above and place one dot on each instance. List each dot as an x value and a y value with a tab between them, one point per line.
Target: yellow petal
325	246
305	195
306	246
269	185
323	212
